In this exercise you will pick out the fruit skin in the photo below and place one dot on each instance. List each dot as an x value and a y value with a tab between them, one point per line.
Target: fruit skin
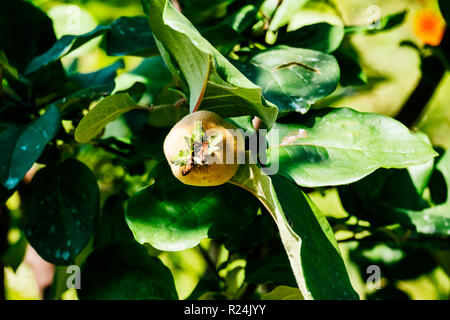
210	174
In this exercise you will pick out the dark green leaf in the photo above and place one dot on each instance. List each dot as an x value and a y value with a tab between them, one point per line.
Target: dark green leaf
275	270
322	36
62	47
101	78
130	36
444	5
62	210
23	145
125	272
340	146
293	78
33	32
172	216
351	72
112	226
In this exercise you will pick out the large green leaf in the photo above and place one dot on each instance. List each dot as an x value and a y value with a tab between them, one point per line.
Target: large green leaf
107	110
306	235
293	78
61	211
340	146
125	272
321	36
207	73
172	216
23	145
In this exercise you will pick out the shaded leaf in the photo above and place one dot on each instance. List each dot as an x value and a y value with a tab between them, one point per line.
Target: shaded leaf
172	216
322	36
130	36
125	272
62	47
33	32
23	145
61	211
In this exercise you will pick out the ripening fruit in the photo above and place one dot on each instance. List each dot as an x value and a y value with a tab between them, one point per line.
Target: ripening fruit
203	149
429	27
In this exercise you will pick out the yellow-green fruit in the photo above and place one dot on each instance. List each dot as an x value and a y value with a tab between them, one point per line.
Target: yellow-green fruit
211	173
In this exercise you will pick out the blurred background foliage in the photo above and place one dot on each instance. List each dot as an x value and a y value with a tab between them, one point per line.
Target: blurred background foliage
392	72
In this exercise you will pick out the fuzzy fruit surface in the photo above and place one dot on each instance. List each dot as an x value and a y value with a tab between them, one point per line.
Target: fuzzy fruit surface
208	173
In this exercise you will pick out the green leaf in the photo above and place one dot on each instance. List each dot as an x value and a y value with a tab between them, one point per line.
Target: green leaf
284	11
61	211
283	293
384	24
275	270
125	272
62	47
130	36
322	36
103	78
445	10
207	73
306	235
340	146
23	145
33	32
351	72
388	197
172	216
436	219
5	66
293	78
112	227
107	110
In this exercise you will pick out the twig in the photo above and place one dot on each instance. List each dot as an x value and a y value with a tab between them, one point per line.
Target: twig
209	262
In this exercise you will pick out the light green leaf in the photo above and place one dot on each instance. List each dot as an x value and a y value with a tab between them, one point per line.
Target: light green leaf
62	211
107	110
305	233
293	78
207	73
284	12
283	293
23	145
340	146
